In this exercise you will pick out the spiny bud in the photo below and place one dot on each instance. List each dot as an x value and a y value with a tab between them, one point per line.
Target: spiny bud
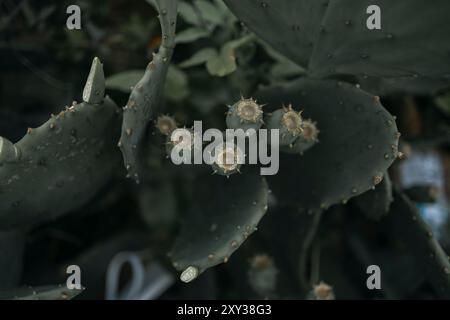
322	291
245	114
263	275
261	262
292	120
310	132
289	122
227	159
307	138
165	124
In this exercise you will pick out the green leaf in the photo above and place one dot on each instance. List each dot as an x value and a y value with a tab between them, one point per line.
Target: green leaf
286	69
221	66
228	16
199	57
225	62
188	14
177	87
123	81
191	35
443	102
209	12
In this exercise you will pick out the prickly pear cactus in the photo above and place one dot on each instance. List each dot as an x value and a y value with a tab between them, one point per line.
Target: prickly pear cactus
225	213
286	25
165	124
358	142
312	76
418	236
62	164
330	40
321	291
146	95
375	203
308	137
228	160
245	114
262	275
289	123
41	293
382	53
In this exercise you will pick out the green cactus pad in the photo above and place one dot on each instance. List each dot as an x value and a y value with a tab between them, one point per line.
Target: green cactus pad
332	37
376	203
358	142
60	165
291	27
8	151
41	293
224	214
410	227
145	98
245	114
12	245
412	41
409	85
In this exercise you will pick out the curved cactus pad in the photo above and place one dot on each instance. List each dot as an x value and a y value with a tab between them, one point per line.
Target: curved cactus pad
291	27
41	293
224	213
145	98
60	165
418	236
358	142
376	203
12	247
412	42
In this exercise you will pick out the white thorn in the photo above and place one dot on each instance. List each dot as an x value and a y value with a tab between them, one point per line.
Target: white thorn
189	274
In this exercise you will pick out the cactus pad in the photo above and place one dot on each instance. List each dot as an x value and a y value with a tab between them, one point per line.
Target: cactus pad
62	164
41	293
358	142
332	37
224	214
145	98
376	203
